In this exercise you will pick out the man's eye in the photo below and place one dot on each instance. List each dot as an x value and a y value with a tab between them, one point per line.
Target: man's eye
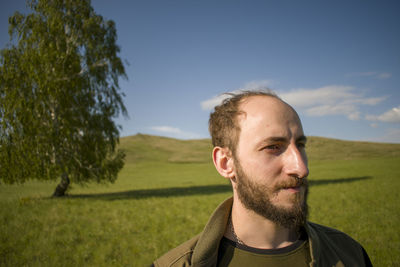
273	147
301	145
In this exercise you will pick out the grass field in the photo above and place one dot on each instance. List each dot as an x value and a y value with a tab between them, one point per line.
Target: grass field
168	189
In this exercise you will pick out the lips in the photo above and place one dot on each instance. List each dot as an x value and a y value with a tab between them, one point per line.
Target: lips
293	189
294	185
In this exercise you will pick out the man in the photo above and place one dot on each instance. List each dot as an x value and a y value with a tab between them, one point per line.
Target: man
259	145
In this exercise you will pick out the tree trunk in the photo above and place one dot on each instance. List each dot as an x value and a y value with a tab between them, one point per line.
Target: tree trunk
62	186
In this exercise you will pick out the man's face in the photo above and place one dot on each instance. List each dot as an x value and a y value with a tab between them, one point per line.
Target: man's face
271	163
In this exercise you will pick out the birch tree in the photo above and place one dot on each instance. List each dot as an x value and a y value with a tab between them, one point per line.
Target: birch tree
59	94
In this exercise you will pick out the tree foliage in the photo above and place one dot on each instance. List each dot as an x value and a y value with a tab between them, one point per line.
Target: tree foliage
59	94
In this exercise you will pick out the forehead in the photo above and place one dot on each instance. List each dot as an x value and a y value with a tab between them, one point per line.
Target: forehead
265	116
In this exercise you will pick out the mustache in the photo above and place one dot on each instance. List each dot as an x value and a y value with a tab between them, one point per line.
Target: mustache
293	182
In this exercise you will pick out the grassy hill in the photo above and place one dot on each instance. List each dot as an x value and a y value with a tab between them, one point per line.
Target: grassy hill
166	192
142	147
320	148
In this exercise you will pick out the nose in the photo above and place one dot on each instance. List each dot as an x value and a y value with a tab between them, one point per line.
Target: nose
295	162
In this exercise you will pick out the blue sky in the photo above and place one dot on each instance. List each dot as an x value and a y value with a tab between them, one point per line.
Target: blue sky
336	62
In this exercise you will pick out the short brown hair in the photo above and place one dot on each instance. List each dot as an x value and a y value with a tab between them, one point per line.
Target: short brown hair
223	125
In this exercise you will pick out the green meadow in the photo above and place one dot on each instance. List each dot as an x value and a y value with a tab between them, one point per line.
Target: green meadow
168	189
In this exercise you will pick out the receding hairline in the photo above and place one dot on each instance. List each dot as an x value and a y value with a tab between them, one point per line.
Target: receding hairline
275	98
242	116
224	122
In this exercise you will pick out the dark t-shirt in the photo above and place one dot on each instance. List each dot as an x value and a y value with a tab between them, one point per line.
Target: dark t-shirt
233	254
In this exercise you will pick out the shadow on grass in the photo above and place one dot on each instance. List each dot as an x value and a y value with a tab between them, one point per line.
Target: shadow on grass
193	190
338	180
159	192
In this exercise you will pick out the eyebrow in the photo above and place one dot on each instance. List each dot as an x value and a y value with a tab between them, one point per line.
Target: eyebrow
301	138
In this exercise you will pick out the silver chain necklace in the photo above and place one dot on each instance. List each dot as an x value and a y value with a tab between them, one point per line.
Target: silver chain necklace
237	239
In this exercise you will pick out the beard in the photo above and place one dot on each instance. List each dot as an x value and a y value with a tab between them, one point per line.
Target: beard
257	197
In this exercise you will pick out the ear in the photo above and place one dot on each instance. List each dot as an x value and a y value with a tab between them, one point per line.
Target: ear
223	162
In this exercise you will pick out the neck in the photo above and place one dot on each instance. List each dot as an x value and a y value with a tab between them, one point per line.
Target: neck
256	231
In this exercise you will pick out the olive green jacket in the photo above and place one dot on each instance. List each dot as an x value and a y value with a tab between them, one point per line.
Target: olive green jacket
328	247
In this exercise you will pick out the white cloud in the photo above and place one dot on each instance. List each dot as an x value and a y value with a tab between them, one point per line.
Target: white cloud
174	132
370	101
323	101
209	104
324	110
310	97
330	100
392	115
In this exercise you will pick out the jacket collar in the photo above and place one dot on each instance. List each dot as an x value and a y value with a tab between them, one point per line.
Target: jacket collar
206	250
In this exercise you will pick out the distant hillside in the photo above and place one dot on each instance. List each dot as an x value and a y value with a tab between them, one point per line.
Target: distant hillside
142	147
320	148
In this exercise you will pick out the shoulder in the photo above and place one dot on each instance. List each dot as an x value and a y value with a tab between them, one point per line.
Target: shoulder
325	229
179	256
332	234
331	245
